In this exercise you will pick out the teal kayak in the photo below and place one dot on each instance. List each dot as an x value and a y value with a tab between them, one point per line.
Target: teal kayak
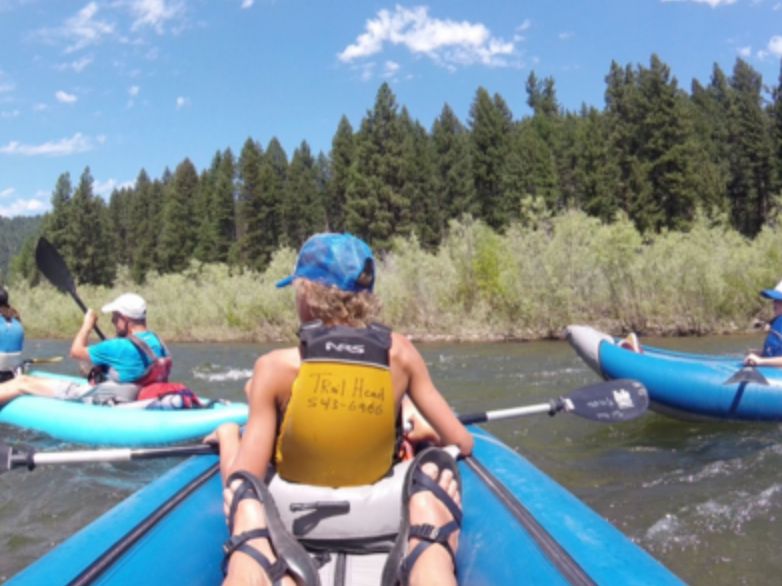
519	526
83	423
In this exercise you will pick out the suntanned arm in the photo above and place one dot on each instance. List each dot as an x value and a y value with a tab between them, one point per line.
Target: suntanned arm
79	344
271	382
753	359
428	399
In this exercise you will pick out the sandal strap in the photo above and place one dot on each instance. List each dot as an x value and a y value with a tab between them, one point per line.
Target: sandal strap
423	482
275	571
428	536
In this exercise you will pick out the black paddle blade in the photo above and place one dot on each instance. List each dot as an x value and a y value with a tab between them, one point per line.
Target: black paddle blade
610	401
53	267
748	374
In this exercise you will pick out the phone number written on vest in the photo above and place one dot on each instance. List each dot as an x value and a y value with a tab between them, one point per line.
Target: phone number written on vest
330	393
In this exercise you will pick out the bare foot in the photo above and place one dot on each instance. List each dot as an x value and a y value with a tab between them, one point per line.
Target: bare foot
435	565
243	569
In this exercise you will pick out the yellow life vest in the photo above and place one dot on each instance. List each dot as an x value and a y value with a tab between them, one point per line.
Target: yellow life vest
339	425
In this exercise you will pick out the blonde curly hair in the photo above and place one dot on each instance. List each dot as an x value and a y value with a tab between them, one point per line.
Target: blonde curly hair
334	306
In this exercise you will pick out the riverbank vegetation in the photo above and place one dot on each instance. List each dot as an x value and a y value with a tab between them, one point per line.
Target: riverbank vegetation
528	283
657	213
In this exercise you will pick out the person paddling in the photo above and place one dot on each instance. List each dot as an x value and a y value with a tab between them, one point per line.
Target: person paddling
326	416
117	366
771	354
11	337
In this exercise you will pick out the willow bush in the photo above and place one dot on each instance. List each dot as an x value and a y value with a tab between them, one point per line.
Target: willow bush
529	282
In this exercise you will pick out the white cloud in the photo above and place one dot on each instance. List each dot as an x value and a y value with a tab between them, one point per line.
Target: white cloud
566	36
40	107
134	90
744	52
181	102
712	3
7	192
65	97
9	114
446	42
24	207
6	85
78	143
104	188
775	45
156	13
79	31
390	69
78	66
247	3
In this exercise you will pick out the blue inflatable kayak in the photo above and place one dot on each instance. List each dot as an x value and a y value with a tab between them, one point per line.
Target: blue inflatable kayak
685	385
83	423
519	527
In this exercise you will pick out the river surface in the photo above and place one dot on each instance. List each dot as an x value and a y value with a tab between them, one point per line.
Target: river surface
703	498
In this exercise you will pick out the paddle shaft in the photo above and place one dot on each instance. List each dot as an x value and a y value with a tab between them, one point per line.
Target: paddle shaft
33	459
607	402
498	414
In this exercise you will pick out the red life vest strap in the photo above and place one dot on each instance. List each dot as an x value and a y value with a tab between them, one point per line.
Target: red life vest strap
159	366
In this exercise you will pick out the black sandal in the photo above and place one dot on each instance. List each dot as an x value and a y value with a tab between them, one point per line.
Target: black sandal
399	564
292	558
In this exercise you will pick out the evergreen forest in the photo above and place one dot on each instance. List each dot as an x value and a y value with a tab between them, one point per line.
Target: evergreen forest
658	155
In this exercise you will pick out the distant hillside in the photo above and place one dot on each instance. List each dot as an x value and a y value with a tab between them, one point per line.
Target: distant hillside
13	233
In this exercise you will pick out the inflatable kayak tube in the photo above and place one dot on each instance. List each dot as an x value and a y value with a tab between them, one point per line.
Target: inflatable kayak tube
83	423
519	527
683	385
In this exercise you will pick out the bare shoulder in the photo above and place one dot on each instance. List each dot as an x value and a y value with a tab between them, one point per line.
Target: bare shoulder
280	360
402	349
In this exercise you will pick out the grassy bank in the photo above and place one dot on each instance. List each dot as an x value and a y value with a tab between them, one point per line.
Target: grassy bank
528	283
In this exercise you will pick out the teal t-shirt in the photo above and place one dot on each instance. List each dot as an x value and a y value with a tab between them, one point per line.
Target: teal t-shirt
121	354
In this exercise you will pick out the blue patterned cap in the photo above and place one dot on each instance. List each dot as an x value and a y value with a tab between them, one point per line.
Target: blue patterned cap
339	260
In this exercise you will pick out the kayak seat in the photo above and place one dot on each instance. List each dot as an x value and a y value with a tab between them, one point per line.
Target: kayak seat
399	565
292	558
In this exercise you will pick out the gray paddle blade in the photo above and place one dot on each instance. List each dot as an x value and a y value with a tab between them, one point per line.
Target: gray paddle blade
748	374
610	401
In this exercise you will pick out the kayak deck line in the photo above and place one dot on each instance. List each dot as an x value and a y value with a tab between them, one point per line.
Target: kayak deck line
123	544
551	548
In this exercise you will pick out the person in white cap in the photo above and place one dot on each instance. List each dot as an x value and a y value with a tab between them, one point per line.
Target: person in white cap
115	365
771	355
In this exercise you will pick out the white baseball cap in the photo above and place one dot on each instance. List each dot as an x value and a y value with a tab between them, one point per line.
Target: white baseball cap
128	304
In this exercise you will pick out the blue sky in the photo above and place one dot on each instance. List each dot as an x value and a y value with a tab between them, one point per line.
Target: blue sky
121	85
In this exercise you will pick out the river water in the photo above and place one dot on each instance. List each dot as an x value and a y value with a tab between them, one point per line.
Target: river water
703	498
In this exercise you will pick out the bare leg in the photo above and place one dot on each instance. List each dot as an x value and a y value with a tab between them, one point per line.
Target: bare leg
25	385
435	565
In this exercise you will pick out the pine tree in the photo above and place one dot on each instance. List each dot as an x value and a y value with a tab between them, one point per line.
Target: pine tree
490	126
342	155
91	258
376	209
453	166
144	231
57	221
750	183
178	237
303	208
426	203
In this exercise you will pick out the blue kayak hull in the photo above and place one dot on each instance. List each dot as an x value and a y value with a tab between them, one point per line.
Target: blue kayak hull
83	423
519	525
680	384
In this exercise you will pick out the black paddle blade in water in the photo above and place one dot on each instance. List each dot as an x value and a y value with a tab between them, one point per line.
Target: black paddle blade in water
610	401
748	374
53	267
